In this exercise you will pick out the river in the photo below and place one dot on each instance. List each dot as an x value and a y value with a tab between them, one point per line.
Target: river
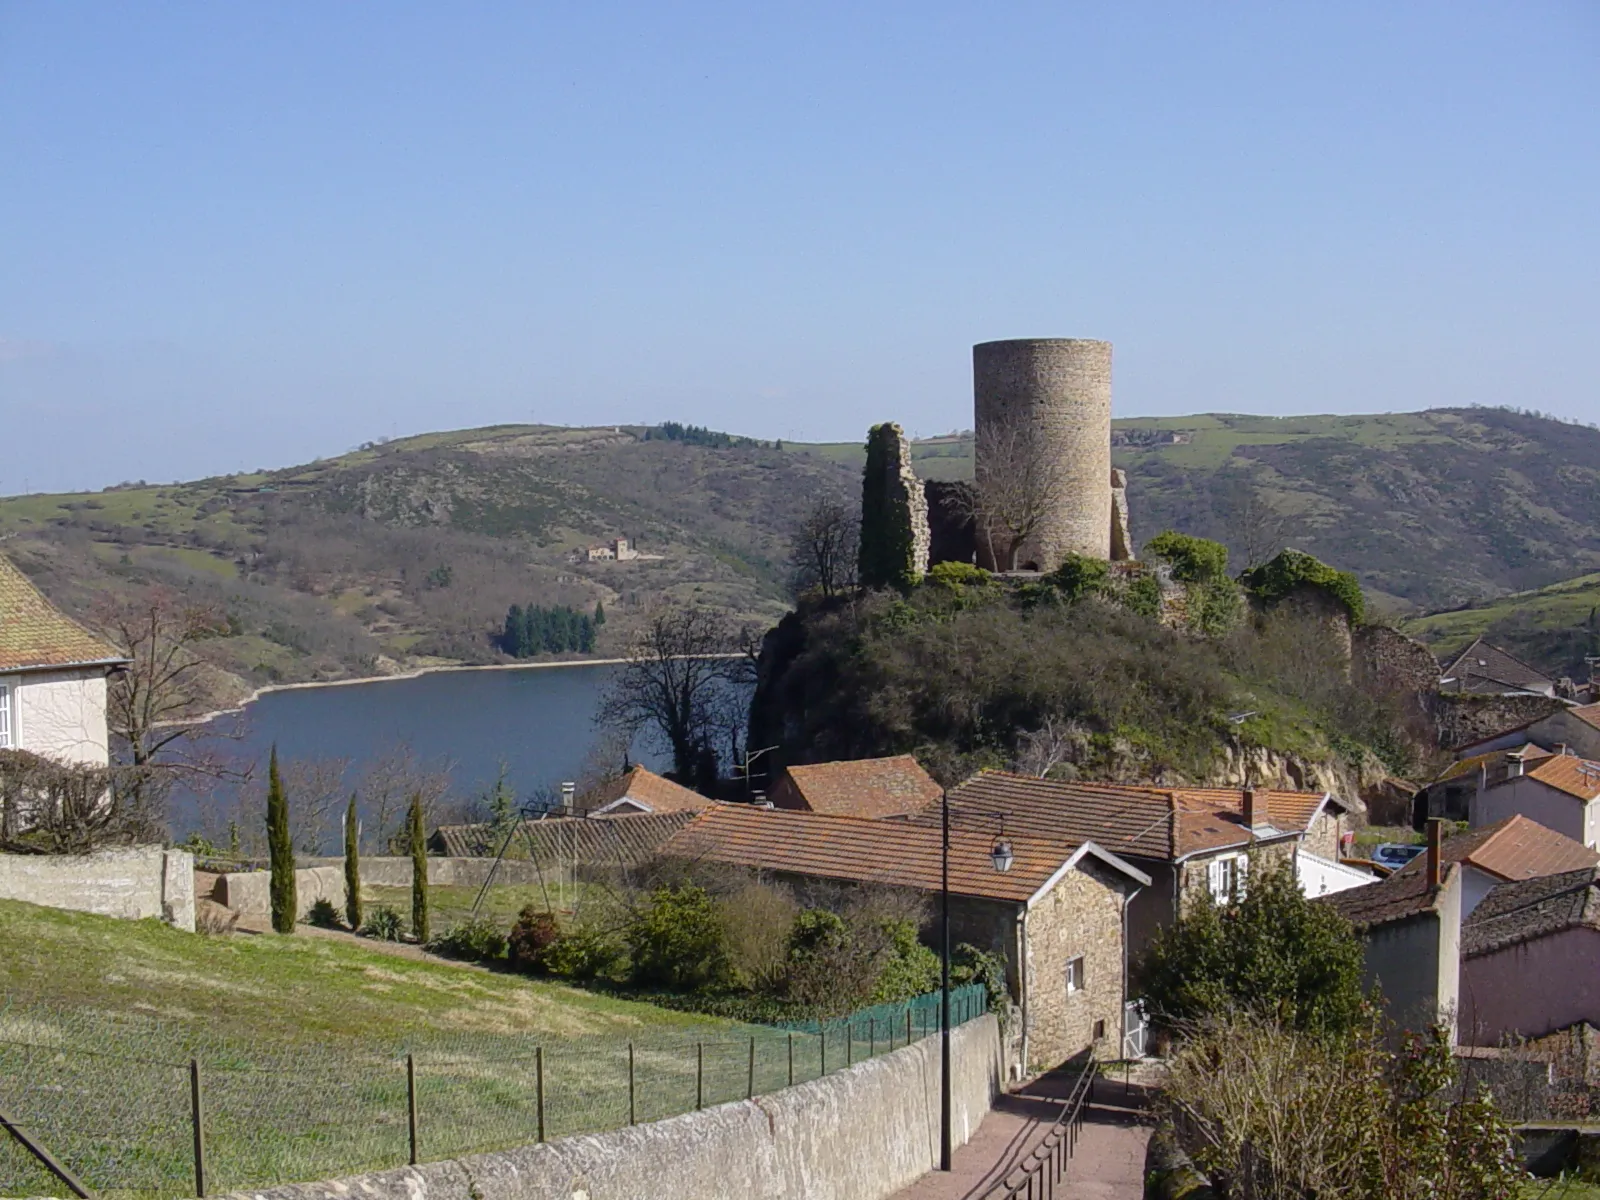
538	723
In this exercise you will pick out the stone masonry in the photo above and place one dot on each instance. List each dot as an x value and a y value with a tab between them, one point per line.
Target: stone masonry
907	488
1121	536
1081	917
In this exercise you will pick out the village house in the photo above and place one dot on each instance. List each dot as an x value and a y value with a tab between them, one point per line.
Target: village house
1577	729
1056	912
642	791
1450	793
1559	791
53	676
1192	842
1410	926
1485	670
564	844
1531	958
1509	850
868	787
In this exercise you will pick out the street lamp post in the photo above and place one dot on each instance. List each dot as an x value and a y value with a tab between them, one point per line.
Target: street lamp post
1001	856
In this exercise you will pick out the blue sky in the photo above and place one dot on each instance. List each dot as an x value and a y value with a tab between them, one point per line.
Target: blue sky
236	236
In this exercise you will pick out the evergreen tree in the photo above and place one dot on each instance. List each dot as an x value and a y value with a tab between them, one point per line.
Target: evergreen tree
419	871
599	613
511	636
280	850
352	865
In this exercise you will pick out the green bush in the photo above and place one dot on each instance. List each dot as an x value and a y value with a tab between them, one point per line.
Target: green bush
678	940
385	923
531	938
1192	559
473	940
957	575
968	964
587	950
1215	608
1079	576
1142	596
323	915
911	969
1291	570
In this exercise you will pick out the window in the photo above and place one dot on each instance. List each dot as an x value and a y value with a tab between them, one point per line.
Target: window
1225	878
1075	975
7	725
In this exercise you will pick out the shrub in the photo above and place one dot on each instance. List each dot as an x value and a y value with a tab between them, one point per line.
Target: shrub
1215	608
531	937
588	950
757	918
955	575
385	923
475	940
1192	559
911	968
678	940
1079	576
968	964
323	915
1275	580
1142	597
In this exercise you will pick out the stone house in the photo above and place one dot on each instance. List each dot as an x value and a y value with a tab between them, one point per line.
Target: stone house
868	787
53	676
1486	670
1057	914
1531	958
1192	842
1449	795
1509	850
1559	791
1410	925
643	791
1577	729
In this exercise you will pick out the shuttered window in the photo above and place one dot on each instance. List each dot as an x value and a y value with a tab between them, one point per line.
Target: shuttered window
1226	877
7	724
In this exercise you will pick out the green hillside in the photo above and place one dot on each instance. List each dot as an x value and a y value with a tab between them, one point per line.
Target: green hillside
1432	509
409	553
1554	627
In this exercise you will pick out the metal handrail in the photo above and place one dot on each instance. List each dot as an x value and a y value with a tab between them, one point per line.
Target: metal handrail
1042	1169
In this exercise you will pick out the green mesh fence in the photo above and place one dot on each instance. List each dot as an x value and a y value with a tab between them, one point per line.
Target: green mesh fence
110	1096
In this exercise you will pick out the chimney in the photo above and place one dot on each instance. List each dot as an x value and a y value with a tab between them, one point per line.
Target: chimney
1435	837
1250	808
569	794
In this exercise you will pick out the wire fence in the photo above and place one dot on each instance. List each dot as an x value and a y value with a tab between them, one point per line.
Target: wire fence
118	1100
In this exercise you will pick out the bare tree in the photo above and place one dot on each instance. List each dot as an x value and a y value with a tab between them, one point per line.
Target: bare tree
1253	525
71	808
152	705
317	796
824	548
1018	483
385	791
680	687
1056	741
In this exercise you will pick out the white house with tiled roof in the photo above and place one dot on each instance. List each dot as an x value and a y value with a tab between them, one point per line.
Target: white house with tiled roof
1559	791
52	677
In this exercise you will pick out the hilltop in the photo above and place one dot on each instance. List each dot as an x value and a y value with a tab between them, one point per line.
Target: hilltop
408	553
1553	627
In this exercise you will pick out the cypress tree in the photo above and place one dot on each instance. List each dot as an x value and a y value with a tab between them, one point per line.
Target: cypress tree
511	639
352	866
599	613
280	850
419	872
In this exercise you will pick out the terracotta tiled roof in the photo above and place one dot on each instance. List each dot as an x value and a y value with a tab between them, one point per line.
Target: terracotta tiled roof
1575	776
650	790
867	787
1398	897
1149	822
1589	714
34	633
862	850
622	840
1516	848
1489	669
1525	909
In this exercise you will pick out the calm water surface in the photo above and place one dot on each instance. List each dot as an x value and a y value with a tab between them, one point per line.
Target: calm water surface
538	722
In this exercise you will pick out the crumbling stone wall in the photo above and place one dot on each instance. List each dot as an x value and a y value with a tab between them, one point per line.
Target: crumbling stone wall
1121	535
894	512
1468	718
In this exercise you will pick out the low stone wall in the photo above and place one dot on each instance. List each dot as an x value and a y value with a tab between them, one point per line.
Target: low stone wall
249	893
395	871
133	882
861	1134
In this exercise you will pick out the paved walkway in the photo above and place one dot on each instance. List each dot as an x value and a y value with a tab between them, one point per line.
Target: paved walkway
1108	1165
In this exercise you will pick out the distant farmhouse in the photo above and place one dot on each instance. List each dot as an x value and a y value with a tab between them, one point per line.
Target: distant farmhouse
617	550
1485	670
52	677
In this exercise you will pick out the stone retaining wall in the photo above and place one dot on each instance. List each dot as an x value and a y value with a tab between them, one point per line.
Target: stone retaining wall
134	882
861	1134
395	871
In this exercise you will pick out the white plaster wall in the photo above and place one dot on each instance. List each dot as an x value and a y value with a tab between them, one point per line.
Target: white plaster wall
1539	802
62	715
1320	876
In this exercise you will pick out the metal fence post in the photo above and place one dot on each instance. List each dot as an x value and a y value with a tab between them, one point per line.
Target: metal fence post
750	1082
631	1093
538	1086
411	1104
791	1058
699	1075
850	1042
197	1118
908	1026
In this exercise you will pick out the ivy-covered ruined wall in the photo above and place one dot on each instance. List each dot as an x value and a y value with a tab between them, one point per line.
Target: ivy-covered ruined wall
894	513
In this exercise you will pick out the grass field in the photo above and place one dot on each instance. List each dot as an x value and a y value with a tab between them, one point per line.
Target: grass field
302	1045
1560	1189
1565	605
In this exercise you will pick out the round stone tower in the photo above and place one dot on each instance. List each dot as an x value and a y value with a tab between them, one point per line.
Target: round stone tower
1042	413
